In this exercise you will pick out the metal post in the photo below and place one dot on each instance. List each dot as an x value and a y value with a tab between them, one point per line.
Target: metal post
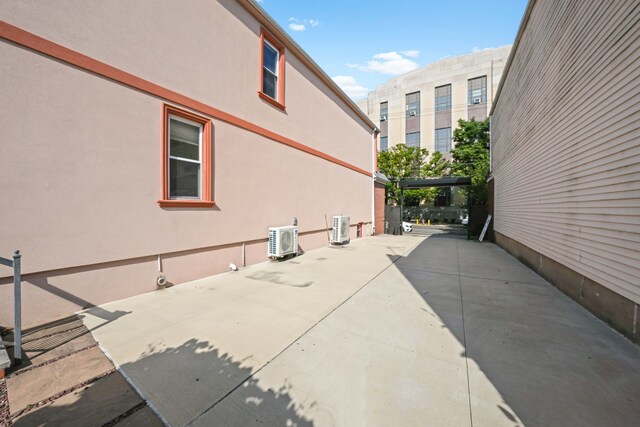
17	307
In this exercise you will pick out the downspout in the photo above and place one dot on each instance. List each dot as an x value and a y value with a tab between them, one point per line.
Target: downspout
374	168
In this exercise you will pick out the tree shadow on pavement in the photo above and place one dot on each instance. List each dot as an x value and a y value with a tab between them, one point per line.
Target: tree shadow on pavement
551	361
187	384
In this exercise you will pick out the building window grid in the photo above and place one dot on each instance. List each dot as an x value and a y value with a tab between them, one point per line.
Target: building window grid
443	98
412	101
412	139
443	140
478	90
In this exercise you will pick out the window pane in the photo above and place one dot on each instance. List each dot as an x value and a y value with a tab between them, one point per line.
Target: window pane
478	90
384	143
443	140
184	140
384	108
412	139
412	102
270	58
184	179
269	83
443	98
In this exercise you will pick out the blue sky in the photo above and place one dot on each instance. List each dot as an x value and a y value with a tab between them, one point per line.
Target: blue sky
363	43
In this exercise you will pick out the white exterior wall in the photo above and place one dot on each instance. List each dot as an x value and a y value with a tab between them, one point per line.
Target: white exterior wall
455	71
566	140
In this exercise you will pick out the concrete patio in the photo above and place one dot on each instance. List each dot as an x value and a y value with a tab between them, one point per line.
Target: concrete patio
386	331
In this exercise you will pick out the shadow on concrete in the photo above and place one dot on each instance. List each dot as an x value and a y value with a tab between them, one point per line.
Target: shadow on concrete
552	362
198	363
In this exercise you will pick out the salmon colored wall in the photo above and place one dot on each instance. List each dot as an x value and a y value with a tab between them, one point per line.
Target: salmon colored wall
82	165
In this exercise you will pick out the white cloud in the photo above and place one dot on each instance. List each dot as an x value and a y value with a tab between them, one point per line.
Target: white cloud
297	27
351	87
297	24
411	53
393	63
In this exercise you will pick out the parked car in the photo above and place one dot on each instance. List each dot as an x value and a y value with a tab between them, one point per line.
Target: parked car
407	227
465	220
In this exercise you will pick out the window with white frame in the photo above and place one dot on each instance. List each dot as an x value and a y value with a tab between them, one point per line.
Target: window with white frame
185	158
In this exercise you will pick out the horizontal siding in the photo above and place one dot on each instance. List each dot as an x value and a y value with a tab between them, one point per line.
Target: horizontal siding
566	140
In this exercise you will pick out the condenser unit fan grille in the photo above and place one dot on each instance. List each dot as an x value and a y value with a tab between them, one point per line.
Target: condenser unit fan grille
286	241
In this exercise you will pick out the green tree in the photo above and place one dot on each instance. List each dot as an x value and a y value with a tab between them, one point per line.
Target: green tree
470	157
401	161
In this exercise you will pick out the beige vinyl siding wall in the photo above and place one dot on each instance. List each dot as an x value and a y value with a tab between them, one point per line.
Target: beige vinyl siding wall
566	140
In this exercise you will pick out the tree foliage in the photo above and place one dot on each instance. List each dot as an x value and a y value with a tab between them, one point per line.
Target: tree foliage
401	161
470	157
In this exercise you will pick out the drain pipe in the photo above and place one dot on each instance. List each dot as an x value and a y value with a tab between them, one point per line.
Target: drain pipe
161	280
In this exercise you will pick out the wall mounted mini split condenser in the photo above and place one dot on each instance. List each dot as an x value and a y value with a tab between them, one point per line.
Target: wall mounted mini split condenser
340	230
283	241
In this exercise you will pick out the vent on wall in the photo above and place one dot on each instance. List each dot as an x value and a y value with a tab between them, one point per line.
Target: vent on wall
340	230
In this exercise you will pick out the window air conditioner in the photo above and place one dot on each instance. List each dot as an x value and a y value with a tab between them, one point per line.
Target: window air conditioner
283	241
383	118
340	230
477	100
412	113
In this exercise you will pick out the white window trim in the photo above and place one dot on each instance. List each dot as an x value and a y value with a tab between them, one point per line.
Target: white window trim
199	162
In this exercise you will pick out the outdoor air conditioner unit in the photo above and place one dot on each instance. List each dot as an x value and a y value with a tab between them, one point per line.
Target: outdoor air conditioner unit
283	241
412	113
340	230
477	100
383	118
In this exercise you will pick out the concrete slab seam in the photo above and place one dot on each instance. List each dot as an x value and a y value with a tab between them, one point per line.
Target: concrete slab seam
48	362
301	335
464	336
57	396
468	276
132	384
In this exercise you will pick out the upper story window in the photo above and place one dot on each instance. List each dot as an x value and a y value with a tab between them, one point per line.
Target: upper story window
412	139
186	160
384	111
384	143
443	98
478	90
413	104
271	70
443	140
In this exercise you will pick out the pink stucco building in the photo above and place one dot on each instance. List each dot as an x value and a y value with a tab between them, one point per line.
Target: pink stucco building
147	133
